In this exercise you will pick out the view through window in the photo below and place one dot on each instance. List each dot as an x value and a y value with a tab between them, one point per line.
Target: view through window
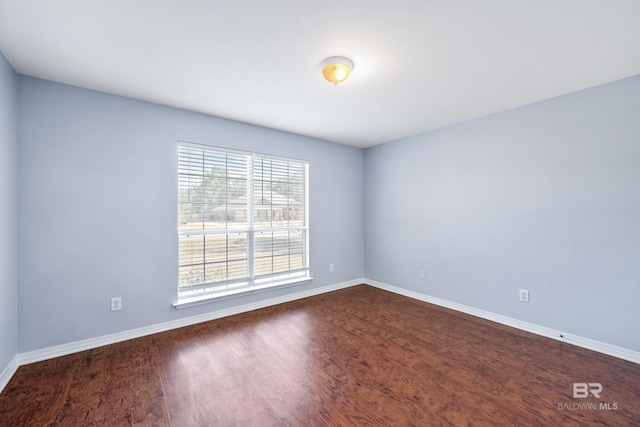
242	221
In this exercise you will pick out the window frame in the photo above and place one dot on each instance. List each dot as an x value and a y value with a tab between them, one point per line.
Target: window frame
207	292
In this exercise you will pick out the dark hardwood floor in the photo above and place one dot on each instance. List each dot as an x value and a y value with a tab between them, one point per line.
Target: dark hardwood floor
355	357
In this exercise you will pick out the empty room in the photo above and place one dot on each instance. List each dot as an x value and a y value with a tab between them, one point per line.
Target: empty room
251	213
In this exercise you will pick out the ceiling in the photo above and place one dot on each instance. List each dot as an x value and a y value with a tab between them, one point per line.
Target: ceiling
419	64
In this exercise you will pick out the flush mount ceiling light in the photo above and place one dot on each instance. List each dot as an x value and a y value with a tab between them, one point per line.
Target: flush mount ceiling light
336	69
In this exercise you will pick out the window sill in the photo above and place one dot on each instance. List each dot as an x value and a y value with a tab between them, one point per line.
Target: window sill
206	299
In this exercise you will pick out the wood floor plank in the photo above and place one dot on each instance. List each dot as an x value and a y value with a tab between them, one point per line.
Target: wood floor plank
147	398
355	357
100	391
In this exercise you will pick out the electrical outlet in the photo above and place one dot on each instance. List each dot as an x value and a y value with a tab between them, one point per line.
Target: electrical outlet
331	268
421	274
524	295
116	304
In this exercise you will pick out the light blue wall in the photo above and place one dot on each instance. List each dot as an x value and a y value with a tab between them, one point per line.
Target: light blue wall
544	197
8	213
97	206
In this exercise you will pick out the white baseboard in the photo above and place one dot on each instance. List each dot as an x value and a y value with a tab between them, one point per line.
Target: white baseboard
8	372
74	347
611	350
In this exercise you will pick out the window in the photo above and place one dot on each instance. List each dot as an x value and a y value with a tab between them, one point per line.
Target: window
242	221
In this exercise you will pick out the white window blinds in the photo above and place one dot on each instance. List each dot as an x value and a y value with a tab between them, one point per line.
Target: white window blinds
242	221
